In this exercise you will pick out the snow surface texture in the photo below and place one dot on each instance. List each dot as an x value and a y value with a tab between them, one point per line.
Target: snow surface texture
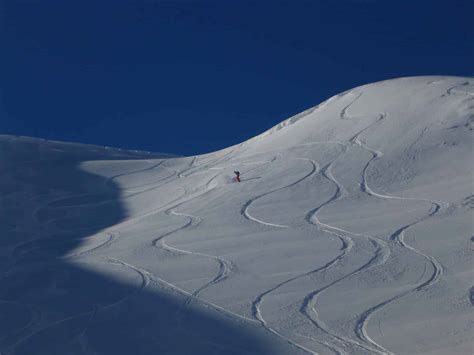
350	233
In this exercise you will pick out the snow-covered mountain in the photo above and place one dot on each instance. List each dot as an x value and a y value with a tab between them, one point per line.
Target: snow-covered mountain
350	233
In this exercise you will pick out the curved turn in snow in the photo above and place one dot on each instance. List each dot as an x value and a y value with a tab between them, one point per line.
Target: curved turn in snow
350	233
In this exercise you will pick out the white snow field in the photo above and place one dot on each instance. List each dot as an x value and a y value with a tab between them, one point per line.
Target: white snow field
350	233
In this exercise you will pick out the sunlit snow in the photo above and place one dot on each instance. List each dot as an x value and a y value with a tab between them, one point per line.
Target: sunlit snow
350	233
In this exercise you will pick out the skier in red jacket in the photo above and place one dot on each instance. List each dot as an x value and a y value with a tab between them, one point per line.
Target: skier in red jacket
237	175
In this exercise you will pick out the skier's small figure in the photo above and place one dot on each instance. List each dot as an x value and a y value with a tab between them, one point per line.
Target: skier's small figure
237	175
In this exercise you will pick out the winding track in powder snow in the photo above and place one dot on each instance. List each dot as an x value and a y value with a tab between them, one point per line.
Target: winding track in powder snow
112	237
398	237
346	247
244	210
110	181
35	316
454	89
308	307
381	255
106	201
225	265
347	243
92	312
226	157
224	271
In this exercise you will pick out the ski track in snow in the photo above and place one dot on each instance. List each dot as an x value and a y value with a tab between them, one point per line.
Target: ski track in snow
383	251
53	220
455	89
347	242
35	317
181	173
167	285
110	239
107	183
135	190
93	311
110	181
346	247
112	236
110	231
17	253
398	236
246	206
226	157
308	307
132	193
225	265
331	347
381	255
361	326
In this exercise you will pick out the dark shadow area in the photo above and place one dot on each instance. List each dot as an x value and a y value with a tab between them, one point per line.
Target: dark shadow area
50	304
254	178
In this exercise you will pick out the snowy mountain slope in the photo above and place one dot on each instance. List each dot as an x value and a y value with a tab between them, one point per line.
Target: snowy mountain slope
350	233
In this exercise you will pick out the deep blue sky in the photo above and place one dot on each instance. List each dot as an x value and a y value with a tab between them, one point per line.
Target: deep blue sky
189	77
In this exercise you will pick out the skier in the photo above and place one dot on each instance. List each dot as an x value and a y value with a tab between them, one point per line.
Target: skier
237	175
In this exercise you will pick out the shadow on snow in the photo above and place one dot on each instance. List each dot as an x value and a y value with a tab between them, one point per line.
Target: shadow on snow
52	305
